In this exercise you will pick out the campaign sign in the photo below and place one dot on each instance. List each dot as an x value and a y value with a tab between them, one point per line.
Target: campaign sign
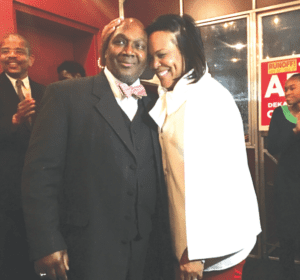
273	77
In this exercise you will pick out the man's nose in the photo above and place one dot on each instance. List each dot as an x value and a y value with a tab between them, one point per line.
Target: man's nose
128	50
12	53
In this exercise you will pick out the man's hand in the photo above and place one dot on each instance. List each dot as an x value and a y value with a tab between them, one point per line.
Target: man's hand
110	28
190	270
26	109
54	266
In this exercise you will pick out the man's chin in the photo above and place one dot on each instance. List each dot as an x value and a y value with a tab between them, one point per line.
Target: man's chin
128	77
13	74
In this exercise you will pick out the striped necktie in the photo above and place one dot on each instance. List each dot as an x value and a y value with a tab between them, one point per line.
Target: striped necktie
19	85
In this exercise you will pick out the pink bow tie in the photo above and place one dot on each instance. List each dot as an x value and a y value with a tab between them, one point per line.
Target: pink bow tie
136	91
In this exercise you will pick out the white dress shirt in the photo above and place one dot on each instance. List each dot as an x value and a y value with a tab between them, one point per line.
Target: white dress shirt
128	105
25	87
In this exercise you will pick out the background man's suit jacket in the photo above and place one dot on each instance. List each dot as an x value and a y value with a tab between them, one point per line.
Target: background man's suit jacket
81	152
13	145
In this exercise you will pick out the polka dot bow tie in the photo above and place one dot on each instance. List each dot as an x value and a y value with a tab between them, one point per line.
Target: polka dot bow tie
136	91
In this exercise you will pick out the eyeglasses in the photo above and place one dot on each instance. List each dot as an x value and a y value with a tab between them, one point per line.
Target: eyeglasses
17	51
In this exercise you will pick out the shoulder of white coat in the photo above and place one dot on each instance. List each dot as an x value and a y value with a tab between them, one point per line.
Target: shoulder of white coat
207	88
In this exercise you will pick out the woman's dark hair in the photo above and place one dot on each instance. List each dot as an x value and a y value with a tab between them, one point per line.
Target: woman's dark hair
189	41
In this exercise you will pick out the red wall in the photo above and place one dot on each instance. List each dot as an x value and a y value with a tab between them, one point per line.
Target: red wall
58	30
44	48
87	11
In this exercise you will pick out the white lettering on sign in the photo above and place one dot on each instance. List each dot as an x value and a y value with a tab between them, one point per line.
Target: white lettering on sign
276	104
269	114
274	87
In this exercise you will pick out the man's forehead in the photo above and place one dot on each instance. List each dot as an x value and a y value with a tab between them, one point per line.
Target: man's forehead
14	40
292	81
131	27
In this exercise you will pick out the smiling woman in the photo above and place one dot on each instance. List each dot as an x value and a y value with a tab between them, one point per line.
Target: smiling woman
165	58
283	142
192	111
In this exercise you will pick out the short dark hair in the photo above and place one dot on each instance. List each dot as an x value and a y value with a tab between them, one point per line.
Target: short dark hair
27	45
72	67
295	76
189	41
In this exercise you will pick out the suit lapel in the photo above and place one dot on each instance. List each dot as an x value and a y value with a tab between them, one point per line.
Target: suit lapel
8	89
36	95
110	110
11	94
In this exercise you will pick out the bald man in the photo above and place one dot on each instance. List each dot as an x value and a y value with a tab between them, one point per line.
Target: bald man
92	175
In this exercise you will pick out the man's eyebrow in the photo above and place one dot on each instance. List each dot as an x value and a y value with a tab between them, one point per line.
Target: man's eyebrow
120	35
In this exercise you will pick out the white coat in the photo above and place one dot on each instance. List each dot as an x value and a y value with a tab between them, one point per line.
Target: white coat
222	214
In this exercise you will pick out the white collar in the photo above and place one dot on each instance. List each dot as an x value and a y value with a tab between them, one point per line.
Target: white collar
112	80
13	81
170	101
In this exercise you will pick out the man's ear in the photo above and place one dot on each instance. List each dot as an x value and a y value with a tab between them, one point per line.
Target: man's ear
77	75
31	60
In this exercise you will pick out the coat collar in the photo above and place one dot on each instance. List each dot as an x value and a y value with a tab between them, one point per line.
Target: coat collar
170	101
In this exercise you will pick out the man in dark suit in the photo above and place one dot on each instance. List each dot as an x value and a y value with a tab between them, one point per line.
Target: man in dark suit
17	114
92	178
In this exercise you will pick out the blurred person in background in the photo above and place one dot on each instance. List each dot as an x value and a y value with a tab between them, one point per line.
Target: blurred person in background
284	144
70	70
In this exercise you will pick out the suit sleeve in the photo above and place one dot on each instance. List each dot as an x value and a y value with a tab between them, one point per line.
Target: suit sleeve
17	134
8	132
43	176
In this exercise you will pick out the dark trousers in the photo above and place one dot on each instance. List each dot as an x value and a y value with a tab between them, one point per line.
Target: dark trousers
14	258
288	248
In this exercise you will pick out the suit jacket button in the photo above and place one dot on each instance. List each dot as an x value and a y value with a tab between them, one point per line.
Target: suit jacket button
133	167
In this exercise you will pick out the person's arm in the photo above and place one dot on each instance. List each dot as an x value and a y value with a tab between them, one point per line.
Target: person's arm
110	28
54	265
41	183
26	109
11	126
190	269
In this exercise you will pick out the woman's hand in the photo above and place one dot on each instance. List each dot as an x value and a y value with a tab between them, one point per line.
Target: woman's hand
190	270
110	28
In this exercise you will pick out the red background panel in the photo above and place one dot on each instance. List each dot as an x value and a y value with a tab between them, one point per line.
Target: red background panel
268	104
